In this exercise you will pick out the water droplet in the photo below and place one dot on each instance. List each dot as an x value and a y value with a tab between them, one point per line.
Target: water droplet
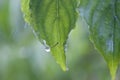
47	48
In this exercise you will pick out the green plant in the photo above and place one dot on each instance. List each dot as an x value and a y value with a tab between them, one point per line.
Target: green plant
52	21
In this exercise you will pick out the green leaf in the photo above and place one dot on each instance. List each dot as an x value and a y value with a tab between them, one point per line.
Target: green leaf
52	20
103	18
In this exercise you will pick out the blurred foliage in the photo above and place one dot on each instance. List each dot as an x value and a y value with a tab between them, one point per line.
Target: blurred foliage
22	57
4	22
104	28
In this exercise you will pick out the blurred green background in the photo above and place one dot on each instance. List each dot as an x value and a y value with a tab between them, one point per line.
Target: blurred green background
23	57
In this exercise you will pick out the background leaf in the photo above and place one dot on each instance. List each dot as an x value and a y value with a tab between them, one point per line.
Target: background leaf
52	20
103	17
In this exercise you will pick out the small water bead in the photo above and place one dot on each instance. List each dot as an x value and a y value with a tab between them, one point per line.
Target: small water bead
47	48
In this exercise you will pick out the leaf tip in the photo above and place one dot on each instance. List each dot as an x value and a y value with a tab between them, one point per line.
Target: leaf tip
64	68
59	55
113	69
62	65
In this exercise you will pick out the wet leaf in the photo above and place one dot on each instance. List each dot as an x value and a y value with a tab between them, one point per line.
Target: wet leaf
52	20
103	18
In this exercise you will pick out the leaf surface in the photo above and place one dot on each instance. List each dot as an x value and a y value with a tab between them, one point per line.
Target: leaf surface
103	18
52	20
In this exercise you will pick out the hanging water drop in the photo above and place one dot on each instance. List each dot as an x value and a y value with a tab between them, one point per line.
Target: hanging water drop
47	48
